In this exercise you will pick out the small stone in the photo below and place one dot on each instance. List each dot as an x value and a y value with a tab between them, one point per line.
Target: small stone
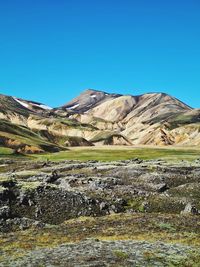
4	212
190	209
103	206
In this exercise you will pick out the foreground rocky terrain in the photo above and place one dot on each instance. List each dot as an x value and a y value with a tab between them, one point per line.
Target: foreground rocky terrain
120	213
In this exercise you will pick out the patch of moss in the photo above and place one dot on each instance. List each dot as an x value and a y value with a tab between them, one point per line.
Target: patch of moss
135	204
29	186
121	255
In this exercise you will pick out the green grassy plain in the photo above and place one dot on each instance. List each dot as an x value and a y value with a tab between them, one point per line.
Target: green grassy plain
111	153
122	153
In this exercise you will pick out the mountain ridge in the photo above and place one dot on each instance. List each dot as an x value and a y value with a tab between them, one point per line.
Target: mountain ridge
99	118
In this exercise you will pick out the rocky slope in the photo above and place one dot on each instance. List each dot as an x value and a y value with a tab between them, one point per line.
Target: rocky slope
100	118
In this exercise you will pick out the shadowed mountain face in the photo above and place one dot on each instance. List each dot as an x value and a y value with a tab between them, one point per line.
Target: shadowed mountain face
100	118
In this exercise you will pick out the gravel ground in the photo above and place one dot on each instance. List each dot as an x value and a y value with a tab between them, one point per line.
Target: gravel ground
91	252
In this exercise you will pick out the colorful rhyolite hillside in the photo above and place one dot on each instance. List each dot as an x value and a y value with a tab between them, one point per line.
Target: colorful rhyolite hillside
97	118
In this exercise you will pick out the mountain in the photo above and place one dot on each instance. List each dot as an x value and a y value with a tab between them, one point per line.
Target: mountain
97	118
152	118
124	109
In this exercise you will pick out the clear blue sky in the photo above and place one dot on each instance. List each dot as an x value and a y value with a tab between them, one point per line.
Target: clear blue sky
51	50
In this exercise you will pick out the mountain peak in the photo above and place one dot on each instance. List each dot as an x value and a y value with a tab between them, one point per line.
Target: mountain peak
94	91
88	99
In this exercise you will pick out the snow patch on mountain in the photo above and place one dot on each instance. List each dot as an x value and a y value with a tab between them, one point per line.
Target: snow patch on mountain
44	107
20	102
73	107
93	96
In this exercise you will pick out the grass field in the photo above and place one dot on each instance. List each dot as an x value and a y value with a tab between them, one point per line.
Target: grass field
122	153
111	153
8	153
5	151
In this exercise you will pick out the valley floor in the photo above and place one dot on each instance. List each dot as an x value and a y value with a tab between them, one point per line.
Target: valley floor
110	153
